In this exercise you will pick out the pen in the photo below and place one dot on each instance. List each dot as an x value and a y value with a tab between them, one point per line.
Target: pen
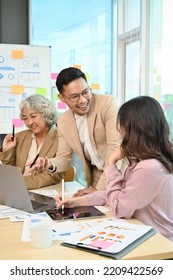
62	234
34	161
13	132
63	195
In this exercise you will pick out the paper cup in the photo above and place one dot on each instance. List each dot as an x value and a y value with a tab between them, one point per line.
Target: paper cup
41	235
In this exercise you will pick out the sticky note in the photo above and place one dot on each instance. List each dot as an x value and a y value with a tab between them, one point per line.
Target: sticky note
56	96
54	76
17	89
62	105
79	66
95	86
101	244
17	54
42	91
17	122
166	106
158	79
87	76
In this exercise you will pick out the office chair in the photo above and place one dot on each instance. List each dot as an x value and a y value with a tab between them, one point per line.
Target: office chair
70	174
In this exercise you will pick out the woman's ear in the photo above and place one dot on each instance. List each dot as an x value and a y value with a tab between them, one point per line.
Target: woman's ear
61	97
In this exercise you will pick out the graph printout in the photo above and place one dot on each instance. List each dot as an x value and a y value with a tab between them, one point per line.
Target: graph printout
24	70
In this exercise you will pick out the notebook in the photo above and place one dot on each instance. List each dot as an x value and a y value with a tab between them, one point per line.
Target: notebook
110	238
14	193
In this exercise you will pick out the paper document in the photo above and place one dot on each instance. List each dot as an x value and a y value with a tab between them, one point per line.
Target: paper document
109	236
12	213
61	230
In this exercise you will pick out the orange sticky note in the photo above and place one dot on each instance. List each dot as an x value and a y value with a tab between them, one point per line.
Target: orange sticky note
79	66
17	54
95	86
17	89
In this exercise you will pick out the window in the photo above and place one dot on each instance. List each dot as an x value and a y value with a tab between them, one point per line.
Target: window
128	49
144	52
161	55
80	34
137	61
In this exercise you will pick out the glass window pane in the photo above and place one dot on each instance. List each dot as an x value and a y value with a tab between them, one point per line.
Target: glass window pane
161	55
79	33
132	14
132	70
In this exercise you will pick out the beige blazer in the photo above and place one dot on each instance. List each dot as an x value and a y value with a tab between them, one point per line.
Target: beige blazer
18	157
102	131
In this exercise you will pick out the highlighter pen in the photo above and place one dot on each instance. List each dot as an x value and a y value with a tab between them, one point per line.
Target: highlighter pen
62	195
34	161
13	132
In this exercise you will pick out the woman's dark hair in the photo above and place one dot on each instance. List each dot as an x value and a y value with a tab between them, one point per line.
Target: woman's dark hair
146	131
67	75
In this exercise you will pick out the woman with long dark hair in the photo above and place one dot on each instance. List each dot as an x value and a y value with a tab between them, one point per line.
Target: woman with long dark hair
145	190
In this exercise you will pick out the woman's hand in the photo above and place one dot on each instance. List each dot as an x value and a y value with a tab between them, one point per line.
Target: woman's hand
115	156
42	164
67	201
8	143
84	191
71	201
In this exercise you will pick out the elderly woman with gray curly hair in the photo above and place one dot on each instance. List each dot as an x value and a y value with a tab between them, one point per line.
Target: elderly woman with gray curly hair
40	137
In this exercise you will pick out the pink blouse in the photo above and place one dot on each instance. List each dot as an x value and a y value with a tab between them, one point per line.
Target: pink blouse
144	192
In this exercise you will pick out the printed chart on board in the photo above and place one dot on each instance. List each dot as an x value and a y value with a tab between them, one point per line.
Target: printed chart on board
24	70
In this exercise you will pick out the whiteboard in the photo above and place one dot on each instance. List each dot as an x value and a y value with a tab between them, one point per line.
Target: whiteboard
24	70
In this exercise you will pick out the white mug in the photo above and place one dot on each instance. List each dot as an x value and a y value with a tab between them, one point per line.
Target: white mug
41	235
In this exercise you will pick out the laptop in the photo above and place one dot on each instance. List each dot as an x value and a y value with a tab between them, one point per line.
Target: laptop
14	193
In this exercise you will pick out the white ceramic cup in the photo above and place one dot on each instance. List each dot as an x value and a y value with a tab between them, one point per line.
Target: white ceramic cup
41	235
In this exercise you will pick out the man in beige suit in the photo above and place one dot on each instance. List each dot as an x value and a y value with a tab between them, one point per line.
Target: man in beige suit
87	129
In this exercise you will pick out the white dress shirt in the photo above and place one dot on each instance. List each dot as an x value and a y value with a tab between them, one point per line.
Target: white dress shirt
89	149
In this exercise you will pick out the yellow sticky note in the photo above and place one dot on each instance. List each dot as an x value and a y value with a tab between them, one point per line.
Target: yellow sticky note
79	66
17	89
87	76
17	54
42	91
95	86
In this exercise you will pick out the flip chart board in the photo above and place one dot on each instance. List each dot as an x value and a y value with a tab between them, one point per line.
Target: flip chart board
24	70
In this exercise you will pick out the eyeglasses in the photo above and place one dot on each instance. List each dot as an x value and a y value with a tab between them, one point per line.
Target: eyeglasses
75	97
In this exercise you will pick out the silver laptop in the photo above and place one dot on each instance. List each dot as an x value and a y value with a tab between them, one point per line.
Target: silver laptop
14	193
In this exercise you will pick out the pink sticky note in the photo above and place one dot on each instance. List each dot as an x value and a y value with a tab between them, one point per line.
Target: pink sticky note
62	105
54	76
17	122
101	244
